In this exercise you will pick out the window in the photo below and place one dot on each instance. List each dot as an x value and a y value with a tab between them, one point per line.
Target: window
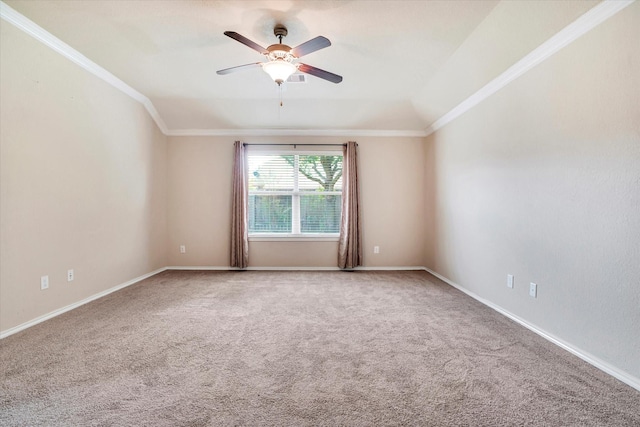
294	194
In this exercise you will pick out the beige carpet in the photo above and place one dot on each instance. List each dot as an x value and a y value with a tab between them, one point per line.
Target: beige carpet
298	349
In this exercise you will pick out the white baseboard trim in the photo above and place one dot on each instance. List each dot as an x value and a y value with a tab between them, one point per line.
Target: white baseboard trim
199	267
625	377
54	313
218	268
401	268
291	269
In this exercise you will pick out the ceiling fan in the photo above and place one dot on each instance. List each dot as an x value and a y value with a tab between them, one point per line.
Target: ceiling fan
281	58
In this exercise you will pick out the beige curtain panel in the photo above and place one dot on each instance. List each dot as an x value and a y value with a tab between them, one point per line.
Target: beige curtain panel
350	243
239	229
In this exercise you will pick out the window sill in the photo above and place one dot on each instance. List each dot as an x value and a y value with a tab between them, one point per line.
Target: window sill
294	238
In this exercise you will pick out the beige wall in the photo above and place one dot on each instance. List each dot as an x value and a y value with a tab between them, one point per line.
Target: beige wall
393	191
542	181
83	182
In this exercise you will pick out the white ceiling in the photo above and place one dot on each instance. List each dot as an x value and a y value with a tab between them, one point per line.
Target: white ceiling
392	55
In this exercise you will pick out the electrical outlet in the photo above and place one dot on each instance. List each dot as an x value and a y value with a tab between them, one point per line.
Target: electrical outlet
510	281
376	249
70	275
44	282
533	290
183	249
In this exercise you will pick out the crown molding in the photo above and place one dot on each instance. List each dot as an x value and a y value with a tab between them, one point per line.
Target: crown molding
297	132
34	30
585	23
573	31
25	24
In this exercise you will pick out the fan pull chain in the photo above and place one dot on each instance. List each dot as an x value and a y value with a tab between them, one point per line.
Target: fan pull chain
280	102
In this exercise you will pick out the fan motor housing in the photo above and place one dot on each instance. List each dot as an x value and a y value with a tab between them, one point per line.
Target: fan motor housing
280	30
280	51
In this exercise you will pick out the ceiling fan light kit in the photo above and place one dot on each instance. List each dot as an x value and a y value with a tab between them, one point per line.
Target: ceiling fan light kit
279	70
281	58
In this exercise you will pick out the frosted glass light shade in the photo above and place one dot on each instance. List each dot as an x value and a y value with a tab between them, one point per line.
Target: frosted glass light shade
279	70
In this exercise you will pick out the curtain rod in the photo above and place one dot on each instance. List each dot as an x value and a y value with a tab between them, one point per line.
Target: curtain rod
295	145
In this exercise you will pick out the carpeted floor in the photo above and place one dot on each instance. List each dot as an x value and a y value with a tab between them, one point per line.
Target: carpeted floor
298	348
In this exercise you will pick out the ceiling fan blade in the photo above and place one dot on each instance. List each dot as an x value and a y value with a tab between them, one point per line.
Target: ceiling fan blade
333	78
310	46
239	68
242	39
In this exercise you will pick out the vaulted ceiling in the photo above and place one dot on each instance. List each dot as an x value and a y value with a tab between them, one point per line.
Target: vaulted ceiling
404	63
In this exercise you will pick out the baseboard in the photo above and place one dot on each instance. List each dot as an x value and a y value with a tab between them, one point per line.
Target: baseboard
199	267
218	268
293	268
401	268
54	313
625	377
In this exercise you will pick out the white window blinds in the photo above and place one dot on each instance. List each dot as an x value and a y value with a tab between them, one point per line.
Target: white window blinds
294	194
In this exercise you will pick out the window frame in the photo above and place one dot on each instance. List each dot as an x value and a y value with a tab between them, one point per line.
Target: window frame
296	234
